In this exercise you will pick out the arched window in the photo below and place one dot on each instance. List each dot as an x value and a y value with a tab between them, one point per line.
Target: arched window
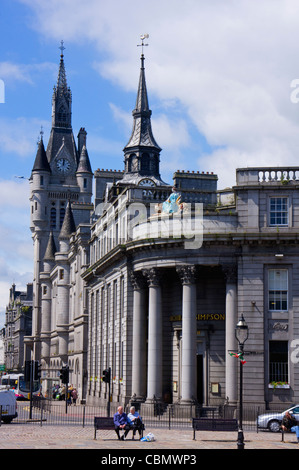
133	163
62	214
53	219
62	115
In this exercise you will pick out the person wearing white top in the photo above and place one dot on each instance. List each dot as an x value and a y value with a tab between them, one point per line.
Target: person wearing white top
135	421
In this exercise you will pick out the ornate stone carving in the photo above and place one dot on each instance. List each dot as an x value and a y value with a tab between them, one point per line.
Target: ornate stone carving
153	276
278	325
187	274
137	280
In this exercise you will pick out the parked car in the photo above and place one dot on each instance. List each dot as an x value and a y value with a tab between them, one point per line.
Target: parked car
8	404
272	420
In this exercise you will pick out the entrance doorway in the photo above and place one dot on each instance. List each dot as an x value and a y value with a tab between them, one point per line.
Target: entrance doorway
199	367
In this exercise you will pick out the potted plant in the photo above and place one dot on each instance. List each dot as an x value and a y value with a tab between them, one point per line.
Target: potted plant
278	385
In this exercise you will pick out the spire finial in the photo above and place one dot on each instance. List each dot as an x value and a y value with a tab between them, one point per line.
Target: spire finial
142	45
41	133
61	48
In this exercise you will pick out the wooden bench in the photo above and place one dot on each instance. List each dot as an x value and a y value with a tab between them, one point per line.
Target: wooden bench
214	424
107	423
104	423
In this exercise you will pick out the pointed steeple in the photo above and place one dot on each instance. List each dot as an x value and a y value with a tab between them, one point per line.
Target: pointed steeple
68	226
142	134
84	162
142	153
62	98
41	160
61	80
62	117
51	249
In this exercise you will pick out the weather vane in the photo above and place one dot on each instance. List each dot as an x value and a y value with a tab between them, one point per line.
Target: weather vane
143	37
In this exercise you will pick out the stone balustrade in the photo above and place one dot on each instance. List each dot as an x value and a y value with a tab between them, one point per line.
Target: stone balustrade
256	175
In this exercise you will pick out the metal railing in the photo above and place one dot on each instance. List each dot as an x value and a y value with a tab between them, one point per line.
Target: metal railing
278	372
51	412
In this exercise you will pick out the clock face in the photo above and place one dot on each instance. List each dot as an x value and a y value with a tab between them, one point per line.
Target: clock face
63	165
146	182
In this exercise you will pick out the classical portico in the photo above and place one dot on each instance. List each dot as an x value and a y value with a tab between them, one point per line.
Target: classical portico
149	318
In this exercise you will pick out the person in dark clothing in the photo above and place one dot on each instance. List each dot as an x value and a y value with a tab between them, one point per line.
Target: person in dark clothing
288	422
121	422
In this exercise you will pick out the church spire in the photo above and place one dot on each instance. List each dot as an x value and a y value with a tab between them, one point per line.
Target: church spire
62	132
61	80
142	153
62	97
142	134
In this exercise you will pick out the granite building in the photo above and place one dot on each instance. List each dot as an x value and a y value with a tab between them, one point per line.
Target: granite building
152	280
18	324
61	191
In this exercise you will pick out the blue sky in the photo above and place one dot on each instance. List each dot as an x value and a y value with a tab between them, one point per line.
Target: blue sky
218	73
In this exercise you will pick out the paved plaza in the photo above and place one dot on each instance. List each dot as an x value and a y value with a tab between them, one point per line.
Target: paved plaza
35	436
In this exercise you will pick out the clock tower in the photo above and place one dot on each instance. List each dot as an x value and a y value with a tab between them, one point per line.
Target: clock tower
142	153
61	178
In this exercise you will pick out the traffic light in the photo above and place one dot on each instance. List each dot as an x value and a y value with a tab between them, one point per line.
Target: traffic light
37	370
106	376
64	374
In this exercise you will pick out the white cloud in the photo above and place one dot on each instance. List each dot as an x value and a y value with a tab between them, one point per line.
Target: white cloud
11	72
224	66
19	136
16	249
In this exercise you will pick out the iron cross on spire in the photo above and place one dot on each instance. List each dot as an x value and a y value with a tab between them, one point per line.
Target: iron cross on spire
61	47
41	135
143	37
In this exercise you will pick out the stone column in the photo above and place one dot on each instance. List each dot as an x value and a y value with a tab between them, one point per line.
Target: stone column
231	317
139	336
189	333
46	290
154	373
62	306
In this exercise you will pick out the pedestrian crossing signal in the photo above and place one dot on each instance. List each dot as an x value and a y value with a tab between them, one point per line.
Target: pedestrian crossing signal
106	376
64	374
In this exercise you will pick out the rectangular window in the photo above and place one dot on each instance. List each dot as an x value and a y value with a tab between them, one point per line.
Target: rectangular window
278	361
278	289
279	211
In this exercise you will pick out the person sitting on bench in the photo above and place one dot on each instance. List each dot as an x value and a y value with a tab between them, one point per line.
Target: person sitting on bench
121	422
135	421
289	423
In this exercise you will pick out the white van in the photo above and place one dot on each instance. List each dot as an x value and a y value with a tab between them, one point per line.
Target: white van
8	406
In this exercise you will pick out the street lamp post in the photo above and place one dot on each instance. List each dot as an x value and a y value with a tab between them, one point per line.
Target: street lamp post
241	332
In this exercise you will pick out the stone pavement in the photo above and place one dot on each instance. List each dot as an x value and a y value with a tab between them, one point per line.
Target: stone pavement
34	436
